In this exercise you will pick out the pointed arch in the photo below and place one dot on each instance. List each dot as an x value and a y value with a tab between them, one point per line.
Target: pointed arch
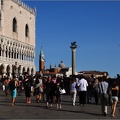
2	67
14	25
28	70
8	70
23	70
32	71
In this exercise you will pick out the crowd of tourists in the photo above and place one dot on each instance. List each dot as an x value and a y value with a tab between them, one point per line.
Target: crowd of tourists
104	90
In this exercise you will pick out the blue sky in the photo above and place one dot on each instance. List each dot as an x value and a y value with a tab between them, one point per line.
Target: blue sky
95	26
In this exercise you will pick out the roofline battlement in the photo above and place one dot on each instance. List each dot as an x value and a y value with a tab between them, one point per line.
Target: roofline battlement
22	4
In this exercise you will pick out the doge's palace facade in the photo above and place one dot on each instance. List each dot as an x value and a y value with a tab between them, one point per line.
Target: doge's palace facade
17	38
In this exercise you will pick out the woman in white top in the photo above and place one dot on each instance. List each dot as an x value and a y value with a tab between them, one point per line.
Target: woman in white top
73	90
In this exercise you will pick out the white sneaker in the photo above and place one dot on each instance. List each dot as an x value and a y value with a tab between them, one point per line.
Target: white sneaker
47	105
60	106
73	104
50	105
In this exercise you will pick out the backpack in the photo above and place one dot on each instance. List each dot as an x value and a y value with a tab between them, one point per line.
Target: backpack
12	85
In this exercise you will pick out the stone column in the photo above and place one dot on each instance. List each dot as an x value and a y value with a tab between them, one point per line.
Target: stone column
29	71
73	48
16	69
10	75
34	71
10	72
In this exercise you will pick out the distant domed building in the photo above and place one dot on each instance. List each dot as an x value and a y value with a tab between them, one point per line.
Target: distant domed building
61	65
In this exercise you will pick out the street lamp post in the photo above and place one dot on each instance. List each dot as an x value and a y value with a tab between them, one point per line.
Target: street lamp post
73	48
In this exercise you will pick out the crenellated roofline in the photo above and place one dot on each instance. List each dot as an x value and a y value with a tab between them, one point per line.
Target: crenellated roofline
22	4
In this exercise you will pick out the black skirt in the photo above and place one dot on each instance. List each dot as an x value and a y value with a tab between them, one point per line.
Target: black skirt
28	91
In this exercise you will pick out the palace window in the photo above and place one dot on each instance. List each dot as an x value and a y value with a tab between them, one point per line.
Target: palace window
0	20
1	2
0	51
14	25
26	31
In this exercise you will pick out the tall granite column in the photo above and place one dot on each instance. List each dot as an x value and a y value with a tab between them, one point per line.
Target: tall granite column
73	48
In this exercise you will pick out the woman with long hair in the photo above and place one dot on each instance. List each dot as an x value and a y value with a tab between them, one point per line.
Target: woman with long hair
114	93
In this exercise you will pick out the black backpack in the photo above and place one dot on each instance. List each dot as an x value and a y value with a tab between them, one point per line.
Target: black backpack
12	85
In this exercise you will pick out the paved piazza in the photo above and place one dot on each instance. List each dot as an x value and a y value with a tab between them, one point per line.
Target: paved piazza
39	111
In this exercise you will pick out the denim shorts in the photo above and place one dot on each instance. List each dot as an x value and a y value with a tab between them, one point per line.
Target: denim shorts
114	98
13	93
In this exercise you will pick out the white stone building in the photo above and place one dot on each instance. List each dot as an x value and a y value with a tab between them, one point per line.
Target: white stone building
17	38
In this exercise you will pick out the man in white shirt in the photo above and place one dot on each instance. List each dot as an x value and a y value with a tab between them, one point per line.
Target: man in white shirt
82	89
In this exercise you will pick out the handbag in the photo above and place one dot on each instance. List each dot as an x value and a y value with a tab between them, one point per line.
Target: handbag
62	91
105	96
